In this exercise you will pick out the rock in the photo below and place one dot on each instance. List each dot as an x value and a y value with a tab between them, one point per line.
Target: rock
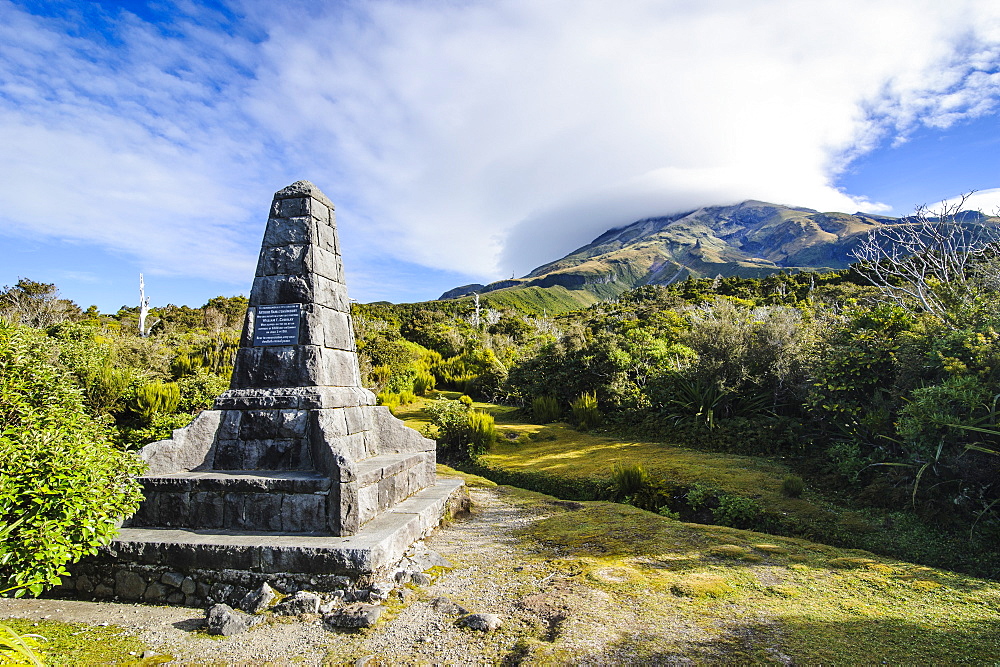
172	579
446	606
424	559
176	598
129	585
188	586
103	591
420	579
401	577
84	585
481	622
224	620
220	592
302	602
380	591
257	601
155	592
354	616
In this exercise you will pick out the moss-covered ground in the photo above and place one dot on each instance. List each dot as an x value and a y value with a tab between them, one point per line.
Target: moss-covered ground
83	644
712	593
560	460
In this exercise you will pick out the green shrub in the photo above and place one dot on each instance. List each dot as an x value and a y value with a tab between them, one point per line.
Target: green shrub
63	485
423	383
406	397
585	411
482	434
738	511
160	427
627	479
462	433
388	399
200	389
156	397
465	400
793	486
545	409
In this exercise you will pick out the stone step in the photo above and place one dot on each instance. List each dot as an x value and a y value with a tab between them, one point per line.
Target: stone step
287	481
293	501
387	479
374	549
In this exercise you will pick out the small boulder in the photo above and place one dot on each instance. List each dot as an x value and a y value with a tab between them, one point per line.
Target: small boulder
302	602
221	619
481	622
172	579
257	601
445	606
420	579
354	616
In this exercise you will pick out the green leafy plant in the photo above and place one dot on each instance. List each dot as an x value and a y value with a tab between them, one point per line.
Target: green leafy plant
793	486
423	383
585	411
627	479
63	485
156	397
545	409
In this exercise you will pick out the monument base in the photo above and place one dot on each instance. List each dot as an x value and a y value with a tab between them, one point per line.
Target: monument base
195	567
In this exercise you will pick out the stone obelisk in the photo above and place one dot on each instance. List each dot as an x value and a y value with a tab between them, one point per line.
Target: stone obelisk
296	444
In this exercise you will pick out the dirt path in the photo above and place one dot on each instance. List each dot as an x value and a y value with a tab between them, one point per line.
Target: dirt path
493	574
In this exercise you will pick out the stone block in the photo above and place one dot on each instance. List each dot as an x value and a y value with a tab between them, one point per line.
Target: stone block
367	503
155	592
331	422
253	511
175	598
326	327
293	230
188	586
304	513
189	448
292	208
303	189
343	508
285	260
206	510
357	419
229	425
281	289
129	585
273	424
84	584
326	235
172	579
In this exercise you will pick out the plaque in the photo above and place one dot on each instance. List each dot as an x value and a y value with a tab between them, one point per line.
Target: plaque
277	324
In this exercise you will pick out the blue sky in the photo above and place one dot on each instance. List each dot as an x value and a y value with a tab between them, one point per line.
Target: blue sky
463	141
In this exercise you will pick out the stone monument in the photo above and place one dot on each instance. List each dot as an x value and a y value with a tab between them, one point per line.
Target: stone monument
295	469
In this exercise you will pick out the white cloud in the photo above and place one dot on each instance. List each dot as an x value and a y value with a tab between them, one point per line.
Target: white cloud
482	137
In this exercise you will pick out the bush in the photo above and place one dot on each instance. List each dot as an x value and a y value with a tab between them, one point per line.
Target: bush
388	399
462	432
63	486
465	400
627	480
482	432
545	409
585	411
793	486
423	383
156	398
200	389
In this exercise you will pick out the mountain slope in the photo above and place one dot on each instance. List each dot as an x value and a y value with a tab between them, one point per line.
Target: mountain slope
749	239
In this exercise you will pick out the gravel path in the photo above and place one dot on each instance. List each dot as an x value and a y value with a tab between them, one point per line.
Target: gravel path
493	573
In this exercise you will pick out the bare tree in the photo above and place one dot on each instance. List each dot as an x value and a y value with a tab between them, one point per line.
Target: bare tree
932	261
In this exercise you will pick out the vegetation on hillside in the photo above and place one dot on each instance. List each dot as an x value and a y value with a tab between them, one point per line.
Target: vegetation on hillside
864	391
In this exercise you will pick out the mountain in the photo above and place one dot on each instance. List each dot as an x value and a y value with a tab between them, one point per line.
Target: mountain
749	239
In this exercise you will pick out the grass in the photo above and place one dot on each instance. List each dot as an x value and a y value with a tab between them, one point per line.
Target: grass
757	596
558	459
81	644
